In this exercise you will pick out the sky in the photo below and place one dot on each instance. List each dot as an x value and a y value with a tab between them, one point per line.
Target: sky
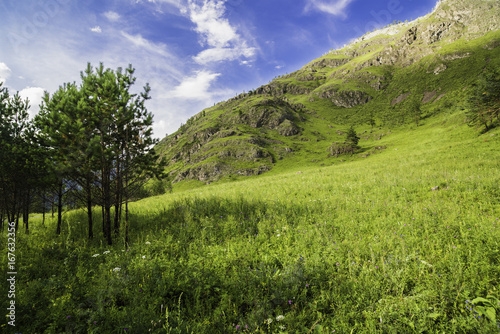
193	53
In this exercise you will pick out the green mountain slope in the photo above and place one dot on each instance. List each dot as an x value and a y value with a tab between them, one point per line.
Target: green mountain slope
377	80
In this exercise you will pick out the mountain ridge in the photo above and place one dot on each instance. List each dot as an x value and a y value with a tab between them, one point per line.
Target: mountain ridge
376	80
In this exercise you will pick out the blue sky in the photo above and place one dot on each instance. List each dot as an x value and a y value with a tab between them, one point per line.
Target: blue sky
193	53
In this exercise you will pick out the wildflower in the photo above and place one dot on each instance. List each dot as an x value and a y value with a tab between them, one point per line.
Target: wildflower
338	264
269	321
106	252
237	327
117	269
144	256
280	317
95	255
290	302
148	243
67	317
282	327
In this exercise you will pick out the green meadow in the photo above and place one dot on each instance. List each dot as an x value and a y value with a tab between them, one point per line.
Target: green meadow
347	244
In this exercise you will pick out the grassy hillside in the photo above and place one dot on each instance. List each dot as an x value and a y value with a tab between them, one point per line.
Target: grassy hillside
431	62
358	245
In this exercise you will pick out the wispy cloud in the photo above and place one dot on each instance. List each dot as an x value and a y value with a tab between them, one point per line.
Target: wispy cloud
141	42
112	16
333	7
222	54
4	72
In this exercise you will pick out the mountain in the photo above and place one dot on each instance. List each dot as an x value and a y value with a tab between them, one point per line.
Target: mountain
402	74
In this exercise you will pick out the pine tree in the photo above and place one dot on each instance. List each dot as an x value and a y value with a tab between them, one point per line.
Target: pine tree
484	101
352	138
102	138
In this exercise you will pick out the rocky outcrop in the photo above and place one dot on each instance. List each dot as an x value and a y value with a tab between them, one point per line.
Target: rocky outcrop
288	128
276	88
328	62
410	36
440	68
346	98
271	113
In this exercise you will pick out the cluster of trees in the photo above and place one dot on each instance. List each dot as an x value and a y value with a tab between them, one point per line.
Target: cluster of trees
93	140
21	161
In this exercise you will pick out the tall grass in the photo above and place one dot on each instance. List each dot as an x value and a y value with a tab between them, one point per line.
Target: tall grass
364	246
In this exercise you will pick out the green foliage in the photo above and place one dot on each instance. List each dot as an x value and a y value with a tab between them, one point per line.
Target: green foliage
352	138
22	167
484	101
364	245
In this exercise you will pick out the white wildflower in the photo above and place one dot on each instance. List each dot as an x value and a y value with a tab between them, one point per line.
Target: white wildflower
106	252
280	317
269	321
95	255
278	235
282	327
144	256
117	269
148	243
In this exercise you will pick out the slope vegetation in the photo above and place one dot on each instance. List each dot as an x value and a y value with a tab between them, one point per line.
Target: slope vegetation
374	84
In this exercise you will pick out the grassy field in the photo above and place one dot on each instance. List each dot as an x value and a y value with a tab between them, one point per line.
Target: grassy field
358	245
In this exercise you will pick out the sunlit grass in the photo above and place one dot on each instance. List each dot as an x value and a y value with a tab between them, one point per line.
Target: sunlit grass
364	246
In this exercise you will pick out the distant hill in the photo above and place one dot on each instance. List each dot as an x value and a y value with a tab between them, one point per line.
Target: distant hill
379	80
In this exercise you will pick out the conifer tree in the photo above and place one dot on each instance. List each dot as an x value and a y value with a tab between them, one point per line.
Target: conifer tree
352	138
102	137
484	101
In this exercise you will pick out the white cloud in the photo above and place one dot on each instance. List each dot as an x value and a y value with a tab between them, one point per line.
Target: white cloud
4	72
221	38
112	16
220	54
210	23
34	95
333	7
96	29
195	87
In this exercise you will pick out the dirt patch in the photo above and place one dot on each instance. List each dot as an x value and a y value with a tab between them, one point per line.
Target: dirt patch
428	96
400	98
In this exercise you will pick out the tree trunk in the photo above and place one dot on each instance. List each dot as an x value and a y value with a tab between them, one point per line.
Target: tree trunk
26	214
117	198
107	204
59	208
89	207
103	223
43	208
